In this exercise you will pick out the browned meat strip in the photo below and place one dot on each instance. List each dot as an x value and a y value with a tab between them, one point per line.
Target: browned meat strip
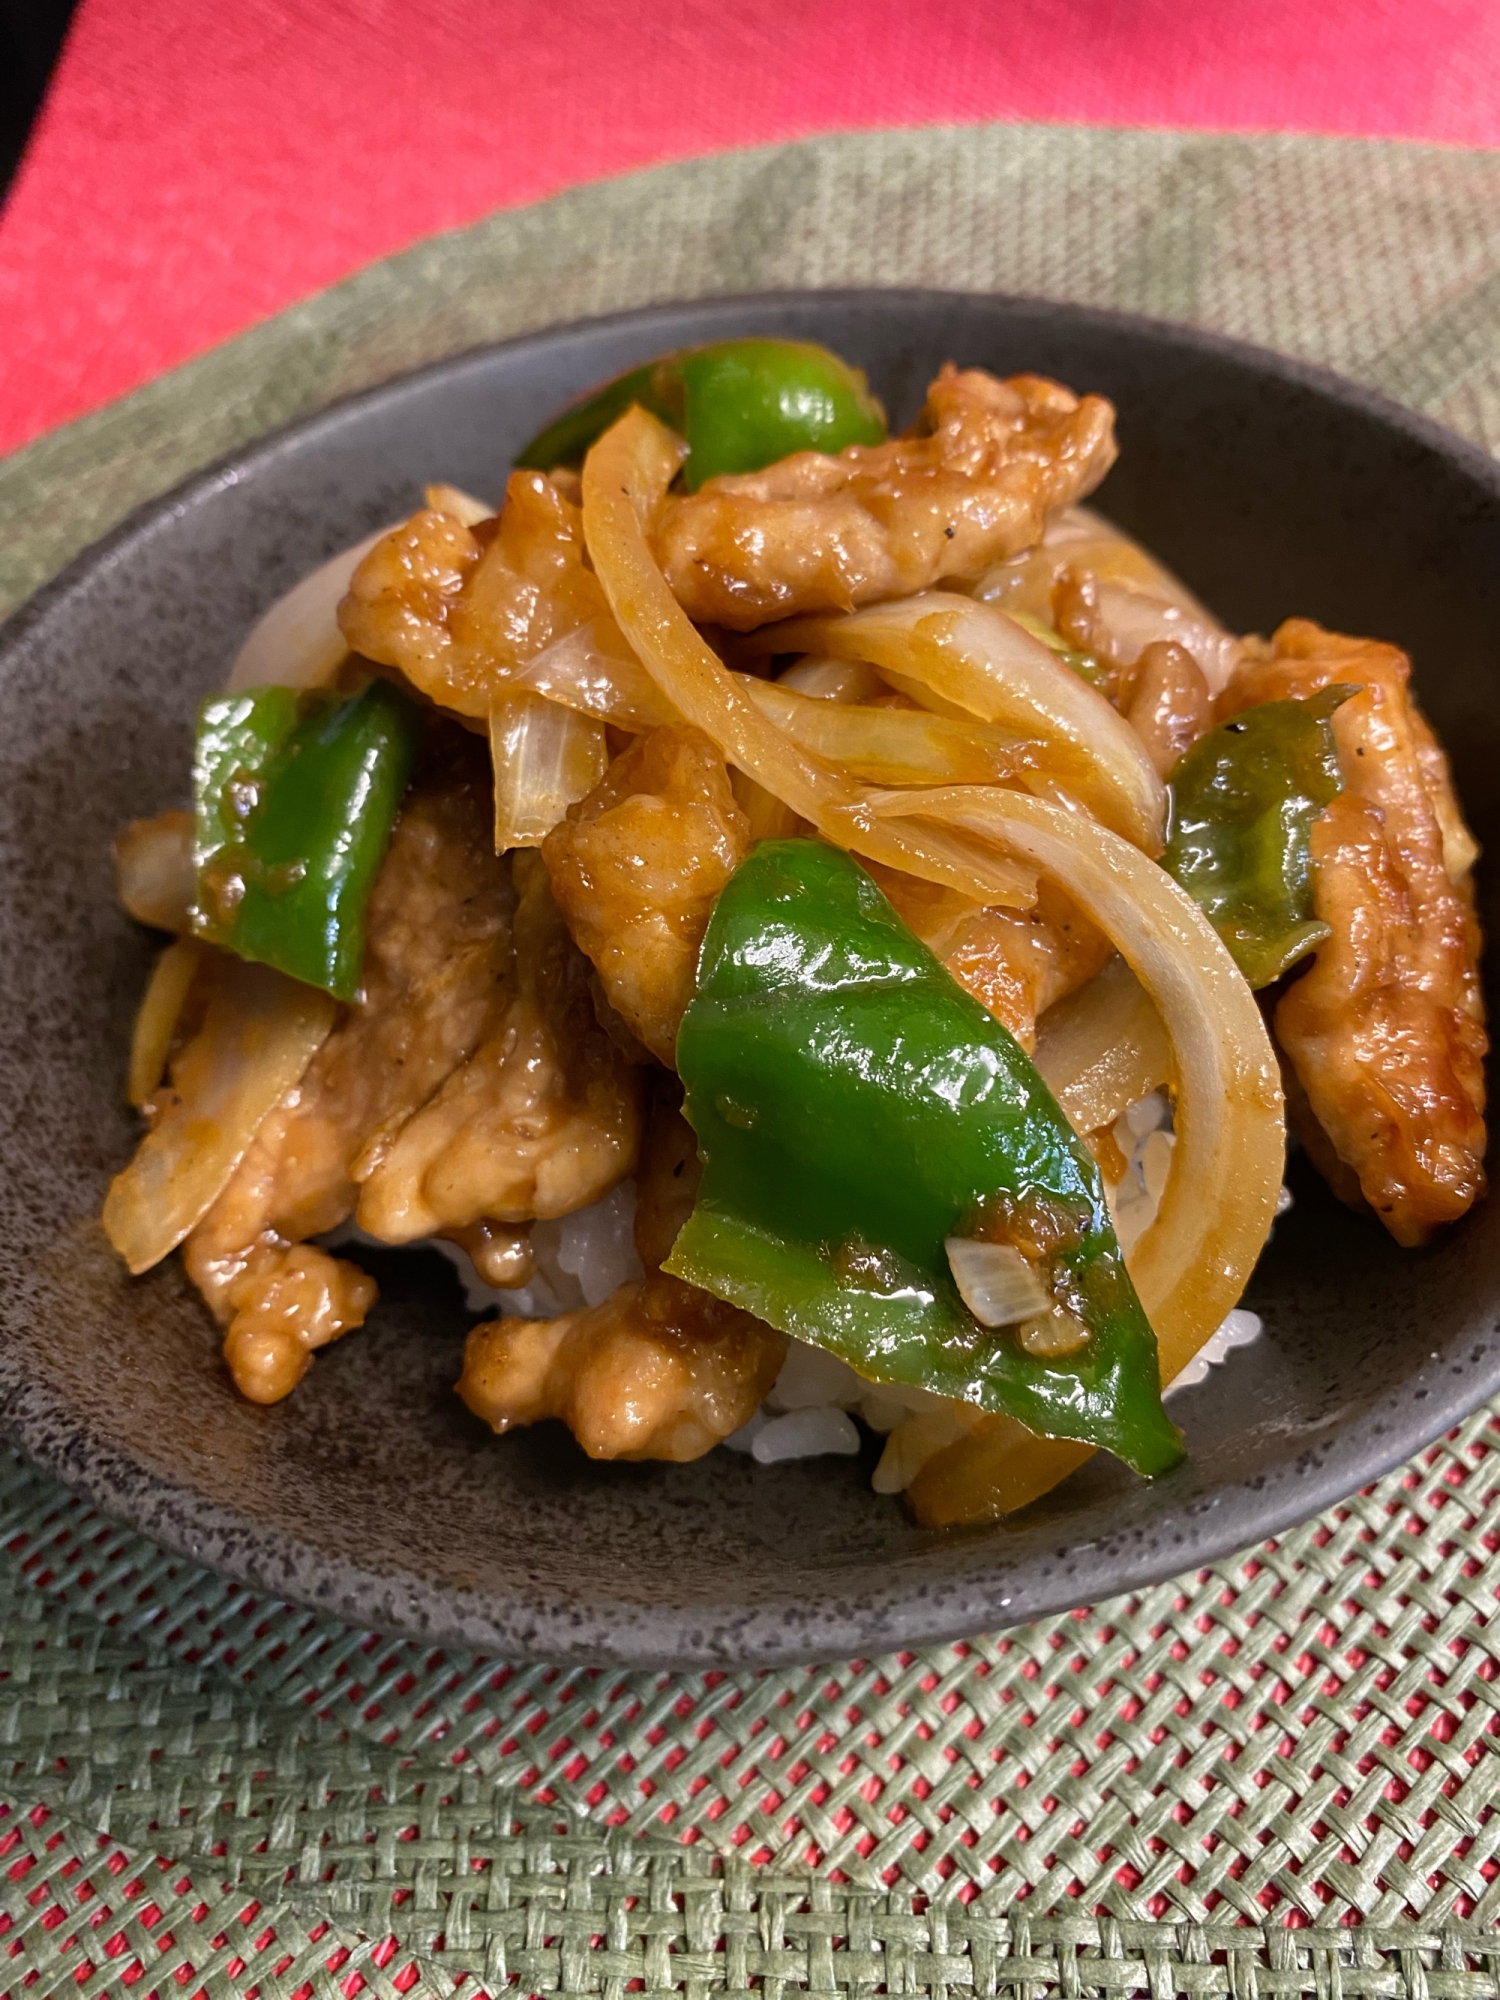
458	609
1386	1030
543	1118
972	484
1169	705
661	1370
637	867
435	961
1014	962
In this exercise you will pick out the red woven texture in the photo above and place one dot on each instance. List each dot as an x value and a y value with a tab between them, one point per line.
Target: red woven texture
198	168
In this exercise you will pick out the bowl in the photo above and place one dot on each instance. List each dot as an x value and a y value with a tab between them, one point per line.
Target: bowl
1271	487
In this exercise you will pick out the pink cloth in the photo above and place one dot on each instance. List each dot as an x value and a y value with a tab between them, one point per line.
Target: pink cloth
199	166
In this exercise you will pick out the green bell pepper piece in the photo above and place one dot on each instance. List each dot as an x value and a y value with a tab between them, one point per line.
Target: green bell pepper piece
294	799
566	440
855	1107
1243	803
740	404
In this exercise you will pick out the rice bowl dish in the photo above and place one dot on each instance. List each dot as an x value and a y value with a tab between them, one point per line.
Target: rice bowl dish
939	710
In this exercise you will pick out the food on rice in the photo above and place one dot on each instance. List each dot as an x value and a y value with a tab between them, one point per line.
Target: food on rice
829	1010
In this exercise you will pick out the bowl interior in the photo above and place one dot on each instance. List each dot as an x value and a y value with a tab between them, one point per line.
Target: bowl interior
1273	491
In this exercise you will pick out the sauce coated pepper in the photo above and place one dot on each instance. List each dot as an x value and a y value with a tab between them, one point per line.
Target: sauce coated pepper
855	1109
740	404
1243	803
294	798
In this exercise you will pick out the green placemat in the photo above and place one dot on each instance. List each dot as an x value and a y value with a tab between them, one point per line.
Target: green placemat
1274	1777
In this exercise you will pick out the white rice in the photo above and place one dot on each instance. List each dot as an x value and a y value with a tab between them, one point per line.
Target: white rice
580	1259
1143	1133
809	1413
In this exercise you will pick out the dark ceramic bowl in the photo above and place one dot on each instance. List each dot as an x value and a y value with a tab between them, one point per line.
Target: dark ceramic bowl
1271	487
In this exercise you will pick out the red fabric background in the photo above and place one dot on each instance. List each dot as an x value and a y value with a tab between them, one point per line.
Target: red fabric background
201	165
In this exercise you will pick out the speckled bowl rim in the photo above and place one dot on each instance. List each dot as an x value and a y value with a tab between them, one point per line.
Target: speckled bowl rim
529	1625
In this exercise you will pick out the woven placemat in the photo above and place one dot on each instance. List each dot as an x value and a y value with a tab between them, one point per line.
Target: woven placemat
1275	1777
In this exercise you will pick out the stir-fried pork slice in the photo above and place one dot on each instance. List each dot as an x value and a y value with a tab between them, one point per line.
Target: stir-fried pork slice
458	609
1143	648
543	1118
973	483
637	867
296	1301
1460	848
1386	1030
1014	962
1169	705
666	1183
661	1369
437	951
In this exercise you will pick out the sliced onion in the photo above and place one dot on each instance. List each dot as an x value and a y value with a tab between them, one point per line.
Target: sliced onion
995	1467
1102	1048
259	1034
833	680
1139	598
297	643
625	476
1083	536
546	758
156	1023
920	1438
154	870
973	657
1192	1264
594	671
770	818
894	746
995	1281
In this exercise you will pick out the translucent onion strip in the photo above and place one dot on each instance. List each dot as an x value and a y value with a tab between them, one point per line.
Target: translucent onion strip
260	1032
1192	1264
154	876
546	758
894	746
1102	1048
297	643
1140	599
769	817
594	671
975	658
1082	535
995	1281
833	680
624	478
161	1009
